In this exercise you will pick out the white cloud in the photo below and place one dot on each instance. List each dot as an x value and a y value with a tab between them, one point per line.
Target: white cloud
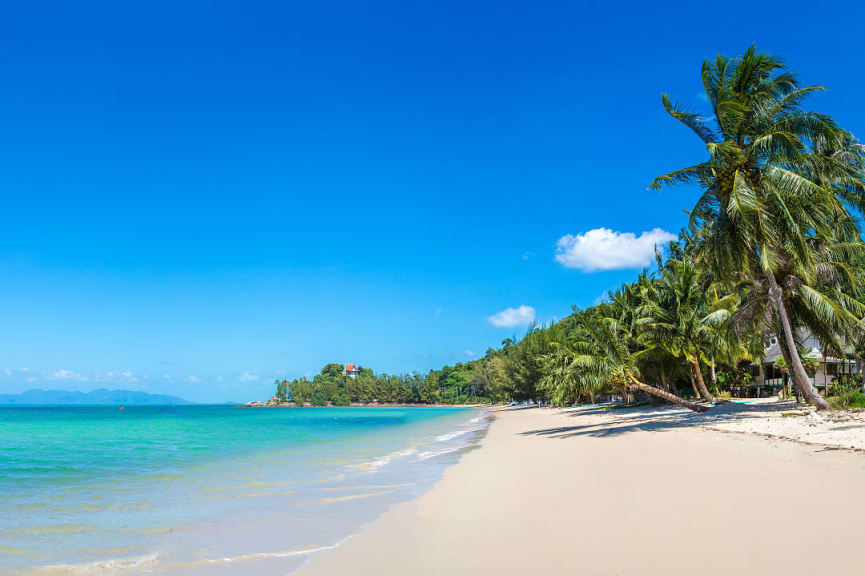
605	249
64	374
468	353
8	372
126	375
247	377
192	378
71	375
512	317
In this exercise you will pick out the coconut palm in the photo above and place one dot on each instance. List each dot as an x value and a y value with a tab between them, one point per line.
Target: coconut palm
827	309
760	204
808	360
605	354
684	315
562	382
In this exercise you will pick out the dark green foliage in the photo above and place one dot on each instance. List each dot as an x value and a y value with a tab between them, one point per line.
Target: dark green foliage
845	384
340	399
848	399
282	390
451	385
319	398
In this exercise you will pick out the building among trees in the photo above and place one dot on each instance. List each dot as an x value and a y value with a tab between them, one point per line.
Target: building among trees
771	374
351	370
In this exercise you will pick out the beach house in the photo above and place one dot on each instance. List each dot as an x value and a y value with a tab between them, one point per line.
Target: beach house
351	370
768	378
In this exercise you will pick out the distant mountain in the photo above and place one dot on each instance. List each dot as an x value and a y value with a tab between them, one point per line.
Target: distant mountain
96	397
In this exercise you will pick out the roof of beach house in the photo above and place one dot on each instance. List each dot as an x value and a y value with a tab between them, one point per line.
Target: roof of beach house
806	340
351	368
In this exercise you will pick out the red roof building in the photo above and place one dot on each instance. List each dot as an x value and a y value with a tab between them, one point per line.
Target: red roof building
351	370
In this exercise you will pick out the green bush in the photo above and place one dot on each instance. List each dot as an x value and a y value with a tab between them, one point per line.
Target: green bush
341	399
319	398
848	399
844	384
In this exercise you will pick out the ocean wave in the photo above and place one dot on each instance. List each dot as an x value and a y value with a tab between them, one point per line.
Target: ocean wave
384	460
262	555
451	435
435	453
151	562
99	566
463	431
371	487
353	497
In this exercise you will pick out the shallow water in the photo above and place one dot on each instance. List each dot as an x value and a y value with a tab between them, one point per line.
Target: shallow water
208	489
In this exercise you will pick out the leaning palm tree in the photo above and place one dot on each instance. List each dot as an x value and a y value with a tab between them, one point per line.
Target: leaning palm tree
605	355
761	202
826	309
683	315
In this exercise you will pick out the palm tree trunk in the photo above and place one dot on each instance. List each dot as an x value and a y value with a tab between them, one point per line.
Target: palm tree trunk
714	376
674	387
701	383
697	394
786	378
796	369
667	396
826	370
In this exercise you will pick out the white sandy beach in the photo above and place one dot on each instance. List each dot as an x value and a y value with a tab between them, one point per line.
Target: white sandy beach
631	492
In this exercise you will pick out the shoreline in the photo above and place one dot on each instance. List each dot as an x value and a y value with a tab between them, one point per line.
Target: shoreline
253	499
627	492
255	404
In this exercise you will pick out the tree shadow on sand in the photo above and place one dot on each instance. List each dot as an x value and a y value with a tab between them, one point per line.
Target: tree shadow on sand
659	419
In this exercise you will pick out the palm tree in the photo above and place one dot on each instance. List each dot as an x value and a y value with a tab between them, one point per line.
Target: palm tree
680	317
605	355
808	360
827	309
761	202
562	380
558	380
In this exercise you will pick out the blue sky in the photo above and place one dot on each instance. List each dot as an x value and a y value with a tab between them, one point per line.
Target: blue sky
200	197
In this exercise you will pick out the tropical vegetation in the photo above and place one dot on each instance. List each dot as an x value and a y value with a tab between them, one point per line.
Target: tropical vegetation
459	384
772	245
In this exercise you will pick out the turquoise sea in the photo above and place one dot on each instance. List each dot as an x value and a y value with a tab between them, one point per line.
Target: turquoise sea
208	489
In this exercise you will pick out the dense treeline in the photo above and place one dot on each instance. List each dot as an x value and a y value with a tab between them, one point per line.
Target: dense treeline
773	244
331	386
450	385
512	372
